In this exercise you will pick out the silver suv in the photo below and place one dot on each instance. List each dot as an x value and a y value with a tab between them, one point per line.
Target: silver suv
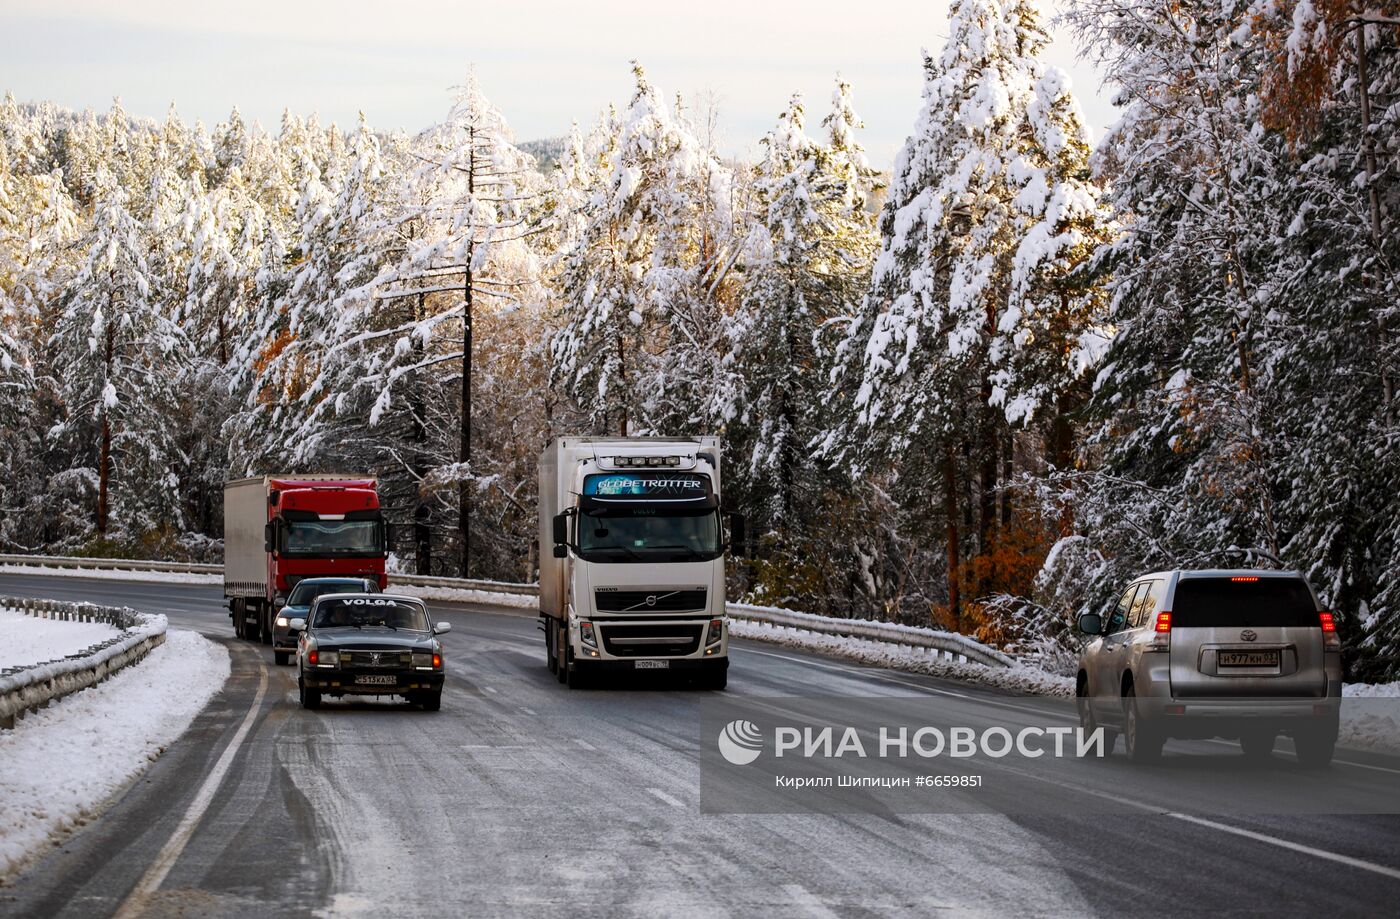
1220	653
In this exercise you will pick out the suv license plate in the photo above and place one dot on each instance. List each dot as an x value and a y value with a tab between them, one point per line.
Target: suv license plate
1249	658
651	665
376	679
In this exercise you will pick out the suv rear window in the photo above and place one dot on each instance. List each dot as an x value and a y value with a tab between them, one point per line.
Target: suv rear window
1217	602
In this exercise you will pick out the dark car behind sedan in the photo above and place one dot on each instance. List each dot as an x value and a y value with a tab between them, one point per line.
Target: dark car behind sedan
370	645
284	640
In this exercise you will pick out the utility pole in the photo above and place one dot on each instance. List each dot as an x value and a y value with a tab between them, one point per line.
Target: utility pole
463	485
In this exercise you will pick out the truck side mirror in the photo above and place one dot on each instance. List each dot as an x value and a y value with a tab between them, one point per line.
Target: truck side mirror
269	536
737	535
561	533
388	537
561	551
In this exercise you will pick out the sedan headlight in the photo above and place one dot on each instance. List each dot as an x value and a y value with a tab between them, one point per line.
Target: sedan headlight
282	621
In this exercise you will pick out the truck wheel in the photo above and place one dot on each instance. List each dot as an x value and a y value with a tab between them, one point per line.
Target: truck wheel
265	617
561	648
310	698
237	611
1141	741
578	677
716	680
280	657
550	660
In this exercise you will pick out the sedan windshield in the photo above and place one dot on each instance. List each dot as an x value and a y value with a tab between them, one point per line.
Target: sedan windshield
626	534
363	612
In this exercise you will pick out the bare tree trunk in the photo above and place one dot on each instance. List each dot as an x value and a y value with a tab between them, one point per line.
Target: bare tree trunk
622	372
1368	147
104	460
950	512
104	465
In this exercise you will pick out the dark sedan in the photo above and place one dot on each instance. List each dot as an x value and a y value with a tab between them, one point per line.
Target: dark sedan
298	606
370	644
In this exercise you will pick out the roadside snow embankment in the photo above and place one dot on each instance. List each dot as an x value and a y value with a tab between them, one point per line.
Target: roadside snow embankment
1371	716
460	595
30	640
61	765
1018	678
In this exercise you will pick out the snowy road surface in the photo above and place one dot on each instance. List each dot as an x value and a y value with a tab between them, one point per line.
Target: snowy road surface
522	798
31	640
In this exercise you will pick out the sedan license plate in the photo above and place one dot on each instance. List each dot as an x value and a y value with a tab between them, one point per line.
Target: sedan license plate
376	679
651	665
1249	658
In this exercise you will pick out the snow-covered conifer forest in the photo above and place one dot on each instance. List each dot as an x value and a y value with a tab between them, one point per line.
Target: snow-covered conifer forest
978	391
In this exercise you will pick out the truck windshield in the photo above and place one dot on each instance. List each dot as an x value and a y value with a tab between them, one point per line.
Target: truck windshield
333	537
647	534
307	591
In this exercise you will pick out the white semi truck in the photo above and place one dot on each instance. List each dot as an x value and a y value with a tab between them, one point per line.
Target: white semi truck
635	579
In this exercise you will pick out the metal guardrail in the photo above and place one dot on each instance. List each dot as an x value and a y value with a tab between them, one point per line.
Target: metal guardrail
108	564
26	689
950	643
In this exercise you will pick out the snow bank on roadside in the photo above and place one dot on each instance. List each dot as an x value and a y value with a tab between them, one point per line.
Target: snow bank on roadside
1021	679
1370	720
108	574
30	640
456	595
60	766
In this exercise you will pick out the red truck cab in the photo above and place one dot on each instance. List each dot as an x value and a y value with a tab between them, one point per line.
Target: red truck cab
281	529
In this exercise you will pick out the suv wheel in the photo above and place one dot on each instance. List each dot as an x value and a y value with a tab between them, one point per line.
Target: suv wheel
1258	744
1088	723
1141	741
1315	745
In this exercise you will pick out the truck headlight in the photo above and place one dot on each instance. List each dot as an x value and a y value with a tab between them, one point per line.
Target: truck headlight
716	632
585	632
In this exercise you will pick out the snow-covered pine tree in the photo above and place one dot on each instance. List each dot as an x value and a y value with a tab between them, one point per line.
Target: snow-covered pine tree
806	260
115	357
987	200
645	275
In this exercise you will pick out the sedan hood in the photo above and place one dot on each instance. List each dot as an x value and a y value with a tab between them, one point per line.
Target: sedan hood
371	637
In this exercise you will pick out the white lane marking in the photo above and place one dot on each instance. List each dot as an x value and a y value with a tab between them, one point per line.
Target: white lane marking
808	901
1335	761
583	744
1340	859
490	690
529	711
674	802
135	902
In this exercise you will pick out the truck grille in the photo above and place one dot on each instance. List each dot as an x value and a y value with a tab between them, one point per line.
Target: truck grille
652	640
662	601
369	660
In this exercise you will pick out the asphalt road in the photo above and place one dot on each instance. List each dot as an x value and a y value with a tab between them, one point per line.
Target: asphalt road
523	798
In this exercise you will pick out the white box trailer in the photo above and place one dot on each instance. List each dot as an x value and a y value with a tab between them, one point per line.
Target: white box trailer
632	556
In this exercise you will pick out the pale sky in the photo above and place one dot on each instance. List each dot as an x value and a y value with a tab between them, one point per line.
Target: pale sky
544	64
